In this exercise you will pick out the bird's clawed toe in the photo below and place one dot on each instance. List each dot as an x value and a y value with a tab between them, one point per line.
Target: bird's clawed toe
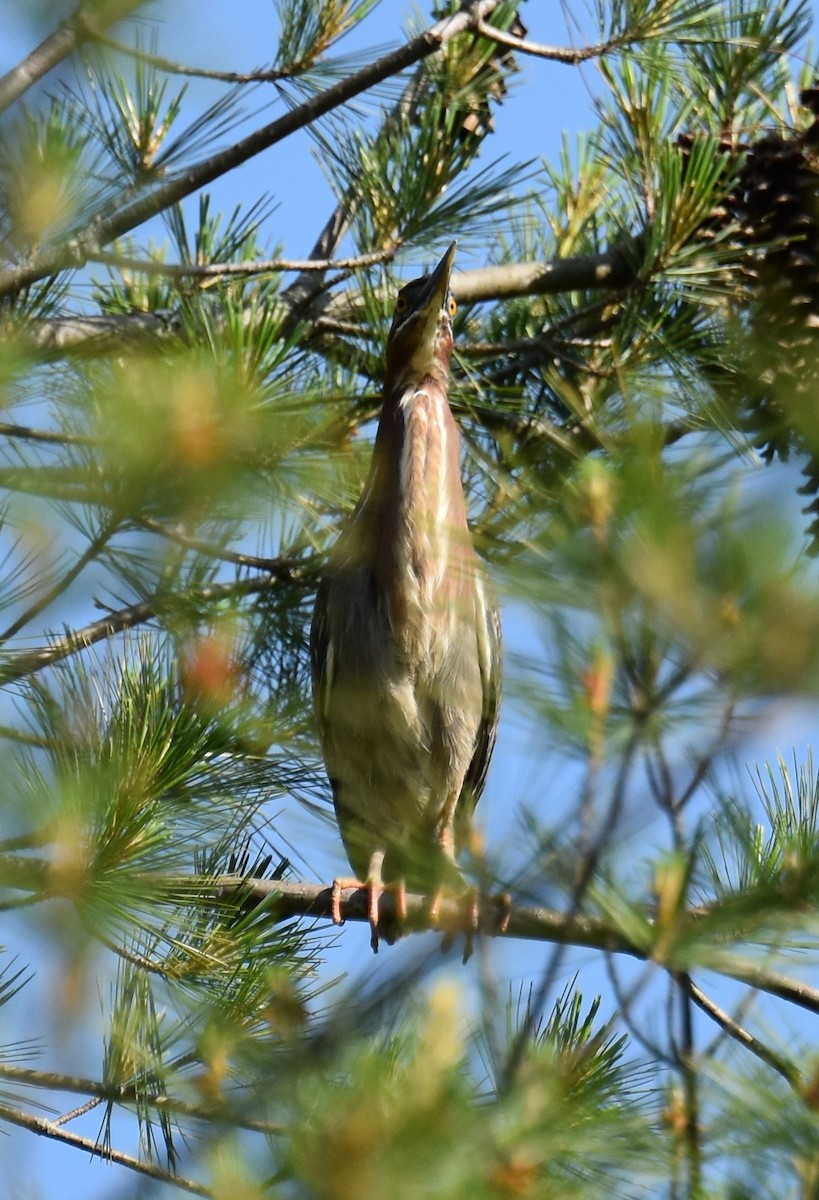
339	884
375	888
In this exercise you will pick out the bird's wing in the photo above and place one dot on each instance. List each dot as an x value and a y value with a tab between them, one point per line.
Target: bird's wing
490	656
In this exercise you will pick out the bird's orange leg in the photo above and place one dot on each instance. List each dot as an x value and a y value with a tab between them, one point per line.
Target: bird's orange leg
375	890
446	840
339	884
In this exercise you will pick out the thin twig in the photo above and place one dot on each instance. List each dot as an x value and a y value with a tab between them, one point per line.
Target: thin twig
726	1022
257	562
561	54
29	662
586	869
51	1129
61	585
169	65
690	1079
261	266
100	1092
624	1000
79	1111
704	760
54	437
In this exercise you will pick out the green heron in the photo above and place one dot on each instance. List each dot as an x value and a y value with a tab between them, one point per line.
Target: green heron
406	646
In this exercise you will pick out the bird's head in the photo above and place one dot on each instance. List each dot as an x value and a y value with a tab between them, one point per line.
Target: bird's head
420	338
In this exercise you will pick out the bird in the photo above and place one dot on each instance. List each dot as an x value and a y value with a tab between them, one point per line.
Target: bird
406	643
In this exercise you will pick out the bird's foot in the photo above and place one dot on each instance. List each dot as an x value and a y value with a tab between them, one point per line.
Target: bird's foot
375	889
474	917
335	896
389	930
469	925
503	905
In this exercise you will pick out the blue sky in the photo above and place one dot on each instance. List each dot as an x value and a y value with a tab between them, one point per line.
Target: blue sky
545	101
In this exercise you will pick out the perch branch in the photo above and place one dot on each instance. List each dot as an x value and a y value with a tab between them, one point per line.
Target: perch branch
532	923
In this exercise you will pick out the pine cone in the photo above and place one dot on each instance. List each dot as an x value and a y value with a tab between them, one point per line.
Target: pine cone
775	208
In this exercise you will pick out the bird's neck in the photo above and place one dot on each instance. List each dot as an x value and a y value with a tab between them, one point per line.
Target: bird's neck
417	514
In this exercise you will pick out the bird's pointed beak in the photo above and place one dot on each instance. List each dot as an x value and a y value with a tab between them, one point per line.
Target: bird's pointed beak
437	284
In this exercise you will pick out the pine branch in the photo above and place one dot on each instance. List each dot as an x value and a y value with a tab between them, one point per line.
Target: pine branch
238	559
250	267
81	26
27	433
611	270
98	1090
51	1129
498	919
568	55
21	664
97	333
734	1030
62	584
171	67
106	228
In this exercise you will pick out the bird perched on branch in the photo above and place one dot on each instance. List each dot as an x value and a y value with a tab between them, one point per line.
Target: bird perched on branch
406	647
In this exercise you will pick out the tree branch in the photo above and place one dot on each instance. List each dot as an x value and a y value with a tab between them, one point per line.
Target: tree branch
51	1129
569	56
263	266
734	1030
106	227
610	270
99	1091
81	26
497	919
28	662
171	67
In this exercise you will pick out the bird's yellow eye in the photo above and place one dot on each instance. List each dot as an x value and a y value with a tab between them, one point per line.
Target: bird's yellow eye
451	306
400	304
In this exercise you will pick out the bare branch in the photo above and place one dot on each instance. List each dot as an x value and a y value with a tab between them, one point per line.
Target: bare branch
79	1111
79	27
726	1022
264	266
612	269
51	1129
559	54
28	662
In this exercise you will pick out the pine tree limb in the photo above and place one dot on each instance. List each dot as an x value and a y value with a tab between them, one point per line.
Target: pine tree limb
106	228
610	270
23	663
782	1066
51	1130
99	1090
496	919
562	54
69	34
